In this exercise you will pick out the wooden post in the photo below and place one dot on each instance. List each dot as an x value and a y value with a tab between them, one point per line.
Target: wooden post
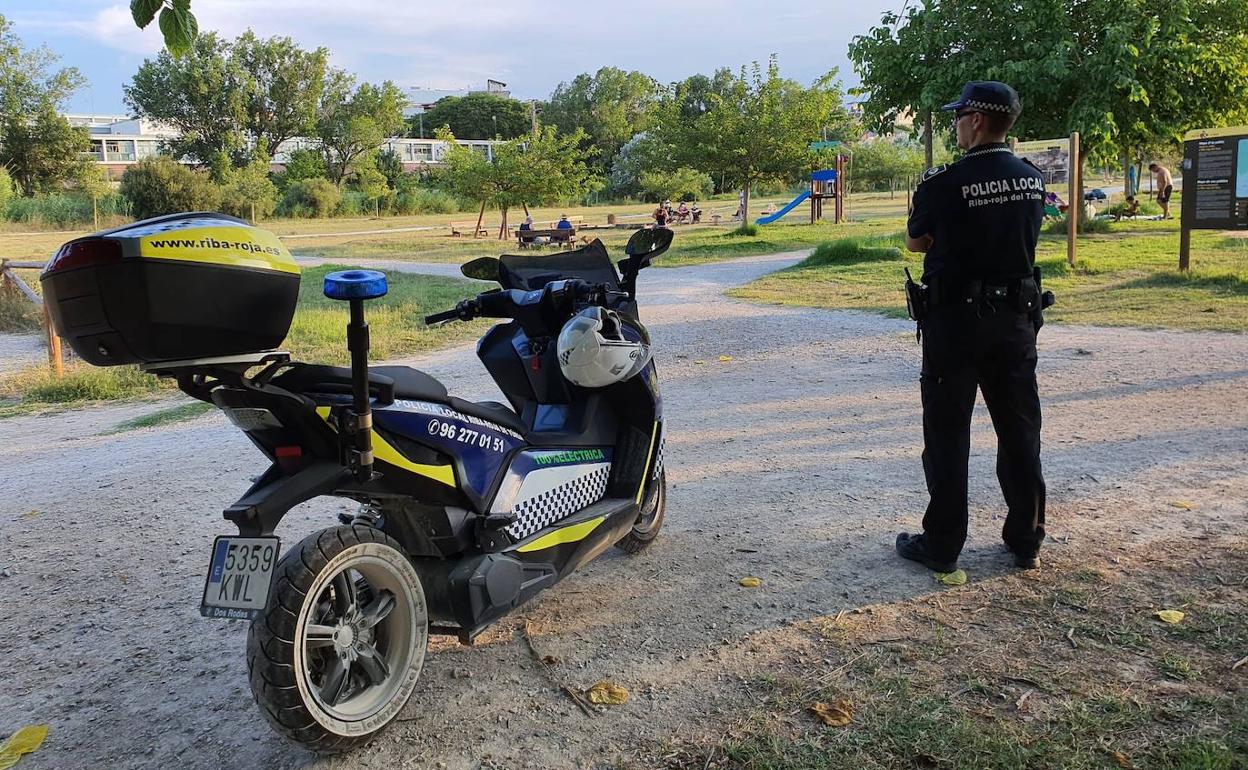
477	230
1185	246
840	188
1074	205
54	343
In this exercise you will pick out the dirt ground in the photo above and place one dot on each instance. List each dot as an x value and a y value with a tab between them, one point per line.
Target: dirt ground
796	461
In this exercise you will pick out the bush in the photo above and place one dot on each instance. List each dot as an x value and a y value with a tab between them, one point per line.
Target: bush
310	198
850	250
63	211
746	230
1086	227
301	165
6	189
1146	209
160	185
354	204
423	200
17	313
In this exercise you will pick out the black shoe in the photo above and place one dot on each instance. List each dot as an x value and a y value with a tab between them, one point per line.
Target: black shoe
914	548
1024	560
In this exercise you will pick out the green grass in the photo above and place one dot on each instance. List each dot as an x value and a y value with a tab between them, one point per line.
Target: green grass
1126	277
17	313
173	414
318	334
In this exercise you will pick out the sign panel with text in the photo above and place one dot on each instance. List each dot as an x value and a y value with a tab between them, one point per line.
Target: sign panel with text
1215	179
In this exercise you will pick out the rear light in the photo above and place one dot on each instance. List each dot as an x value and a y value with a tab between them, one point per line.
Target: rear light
288	451
88	252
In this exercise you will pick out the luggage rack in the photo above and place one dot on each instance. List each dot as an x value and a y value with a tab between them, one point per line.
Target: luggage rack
250	359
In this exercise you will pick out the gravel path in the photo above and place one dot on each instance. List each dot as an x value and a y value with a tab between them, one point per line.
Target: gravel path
795	461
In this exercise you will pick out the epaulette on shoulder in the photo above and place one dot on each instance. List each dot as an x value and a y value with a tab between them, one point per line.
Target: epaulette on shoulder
934	171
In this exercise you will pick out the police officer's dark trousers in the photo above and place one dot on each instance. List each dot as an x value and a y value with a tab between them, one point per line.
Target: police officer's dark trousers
992	346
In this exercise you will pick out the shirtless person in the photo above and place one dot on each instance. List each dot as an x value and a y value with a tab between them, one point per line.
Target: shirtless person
1165	187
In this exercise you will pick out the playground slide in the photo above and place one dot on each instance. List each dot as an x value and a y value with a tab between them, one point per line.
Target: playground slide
773	217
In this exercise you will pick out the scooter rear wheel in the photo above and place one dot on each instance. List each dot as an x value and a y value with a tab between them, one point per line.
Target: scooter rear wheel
649	519
338	650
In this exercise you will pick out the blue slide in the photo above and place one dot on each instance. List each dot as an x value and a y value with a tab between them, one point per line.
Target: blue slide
773	217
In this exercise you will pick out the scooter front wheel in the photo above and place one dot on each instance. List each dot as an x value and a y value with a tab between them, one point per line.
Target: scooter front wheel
649	518
338	650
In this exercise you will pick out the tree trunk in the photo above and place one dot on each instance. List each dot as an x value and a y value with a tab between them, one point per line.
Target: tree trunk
892	188
927	140
745	204
95	211
480	217
253	212
502	228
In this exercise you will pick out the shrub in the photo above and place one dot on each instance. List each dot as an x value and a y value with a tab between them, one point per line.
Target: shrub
63	211
423	200
302	164
850	250
1086	227
354	203
17	313
160	185
6	189
746	230
311	198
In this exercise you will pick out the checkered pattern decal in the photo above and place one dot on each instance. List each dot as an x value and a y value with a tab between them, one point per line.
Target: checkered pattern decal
658	462
550	506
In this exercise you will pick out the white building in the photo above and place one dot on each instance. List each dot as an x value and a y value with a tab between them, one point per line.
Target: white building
118	142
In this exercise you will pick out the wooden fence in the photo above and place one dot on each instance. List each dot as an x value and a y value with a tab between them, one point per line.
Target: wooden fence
11	281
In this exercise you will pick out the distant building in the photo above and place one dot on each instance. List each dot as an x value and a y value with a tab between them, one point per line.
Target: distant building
119	141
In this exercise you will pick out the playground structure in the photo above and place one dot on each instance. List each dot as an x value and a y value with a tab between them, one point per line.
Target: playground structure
824	183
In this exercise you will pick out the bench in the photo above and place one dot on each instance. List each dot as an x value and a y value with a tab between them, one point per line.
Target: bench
564	237
459	228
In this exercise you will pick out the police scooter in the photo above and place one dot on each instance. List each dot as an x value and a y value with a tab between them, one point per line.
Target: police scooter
467	510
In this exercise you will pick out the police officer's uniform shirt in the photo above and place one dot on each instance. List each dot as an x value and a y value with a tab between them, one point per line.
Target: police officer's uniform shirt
984	215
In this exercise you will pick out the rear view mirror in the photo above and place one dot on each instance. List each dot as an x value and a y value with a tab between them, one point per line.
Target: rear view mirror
648	243
482	269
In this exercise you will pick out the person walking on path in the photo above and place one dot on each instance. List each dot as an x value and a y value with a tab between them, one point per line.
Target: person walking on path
977	222
1165	187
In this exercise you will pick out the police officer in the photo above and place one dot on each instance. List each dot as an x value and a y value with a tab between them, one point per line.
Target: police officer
977	221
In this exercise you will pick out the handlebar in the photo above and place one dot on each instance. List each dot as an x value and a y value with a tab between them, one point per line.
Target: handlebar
498	304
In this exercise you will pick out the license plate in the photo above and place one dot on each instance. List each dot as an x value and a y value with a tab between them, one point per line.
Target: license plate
239	574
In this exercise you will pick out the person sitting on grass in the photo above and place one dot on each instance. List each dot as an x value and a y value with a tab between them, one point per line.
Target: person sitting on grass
1131	208
660	216
682	213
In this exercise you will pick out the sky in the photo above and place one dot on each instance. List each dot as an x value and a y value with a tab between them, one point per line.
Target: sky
532	45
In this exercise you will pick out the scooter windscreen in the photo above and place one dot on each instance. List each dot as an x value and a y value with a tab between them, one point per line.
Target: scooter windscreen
590	263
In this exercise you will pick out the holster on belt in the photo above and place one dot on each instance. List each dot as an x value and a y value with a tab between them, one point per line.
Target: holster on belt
916	303
1044	299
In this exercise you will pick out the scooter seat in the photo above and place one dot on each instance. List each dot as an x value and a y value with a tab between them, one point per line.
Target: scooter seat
408	382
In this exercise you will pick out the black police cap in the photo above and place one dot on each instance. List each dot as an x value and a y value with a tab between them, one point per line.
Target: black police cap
987	96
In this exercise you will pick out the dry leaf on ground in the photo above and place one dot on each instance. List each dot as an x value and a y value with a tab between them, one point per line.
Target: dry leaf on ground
837	714
1169	616
1122	759
1184	504
608	693
21	742
725	359
955	578
751	582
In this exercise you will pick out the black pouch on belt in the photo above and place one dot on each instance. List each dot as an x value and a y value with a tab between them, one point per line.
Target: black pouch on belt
916	299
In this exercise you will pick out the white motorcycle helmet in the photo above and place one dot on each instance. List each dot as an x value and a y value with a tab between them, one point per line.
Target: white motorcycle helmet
593	352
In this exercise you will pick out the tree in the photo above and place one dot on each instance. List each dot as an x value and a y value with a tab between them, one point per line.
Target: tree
370	181
226	97
94	182
611	106
351	124
303	164
201	93
177	24
390	166
161	185
282	86
880	163
681	184
1122	74
759	129
38	147
248	191
475	116
545	168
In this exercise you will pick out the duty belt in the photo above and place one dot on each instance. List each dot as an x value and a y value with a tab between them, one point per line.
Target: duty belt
998	291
